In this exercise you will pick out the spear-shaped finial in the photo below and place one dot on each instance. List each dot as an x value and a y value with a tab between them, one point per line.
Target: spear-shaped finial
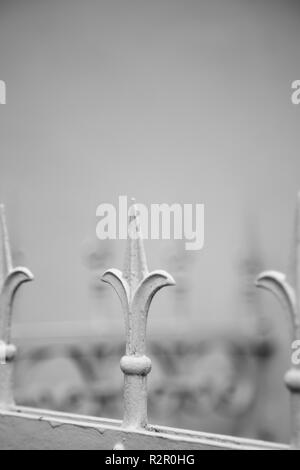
290	298
135	266
10	280
5	254
136	288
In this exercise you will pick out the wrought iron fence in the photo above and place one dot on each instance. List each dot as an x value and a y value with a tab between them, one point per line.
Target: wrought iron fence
29	427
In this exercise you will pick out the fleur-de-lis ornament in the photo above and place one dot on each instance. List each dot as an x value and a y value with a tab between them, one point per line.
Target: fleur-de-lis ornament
136	288
289	297
10	279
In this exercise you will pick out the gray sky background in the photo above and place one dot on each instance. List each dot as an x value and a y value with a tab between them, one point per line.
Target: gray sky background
167	101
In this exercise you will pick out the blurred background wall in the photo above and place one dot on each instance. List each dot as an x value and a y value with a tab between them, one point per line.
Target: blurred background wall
167	101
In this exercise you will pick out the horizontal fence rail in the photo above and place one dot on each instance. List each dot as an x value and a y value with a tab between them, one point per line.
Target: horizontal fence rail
33	428
28	428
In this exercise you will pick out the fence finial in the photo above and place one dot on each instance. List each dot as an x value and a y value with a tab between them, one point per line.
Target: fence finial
10	279
136	287
289	297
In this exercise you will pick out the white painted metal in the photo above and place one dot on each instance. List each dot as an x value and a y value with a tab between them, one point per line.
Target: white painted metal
10	280
289	296
28	428
136	288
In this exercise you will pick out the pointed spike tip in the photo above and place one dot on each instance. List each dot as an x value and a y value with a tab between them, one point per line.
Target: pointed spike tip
5	255
132	211
135	265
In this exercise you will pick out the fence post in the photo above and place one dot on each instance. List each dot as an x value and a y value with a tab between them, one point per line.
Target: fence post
10	279
136	287
289	297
